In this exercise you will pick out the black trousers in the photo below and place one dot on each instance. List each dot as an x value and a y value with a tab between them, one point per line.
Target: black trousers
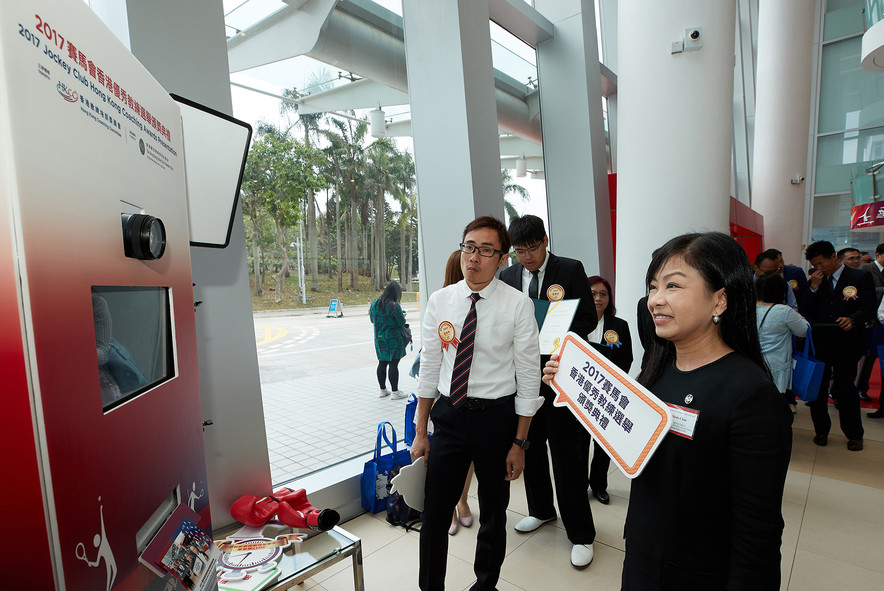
461	436
598	468
867	361
568	444
848	399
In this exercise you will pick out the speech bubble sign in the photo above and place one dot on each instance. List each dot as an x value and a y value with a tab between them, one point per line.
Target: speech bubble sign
621	415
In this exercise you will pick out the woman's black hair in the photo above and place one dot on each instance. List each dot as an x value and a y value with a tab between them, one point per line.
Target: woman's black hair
771	288
722	263
392	294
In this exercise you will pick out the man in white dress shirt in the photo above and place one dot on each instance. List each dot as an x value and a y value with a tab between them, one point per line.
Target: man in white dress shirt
481	352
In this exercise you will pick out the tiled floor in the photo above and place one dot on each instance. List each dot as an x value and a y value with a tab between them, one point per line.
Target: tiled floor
833	537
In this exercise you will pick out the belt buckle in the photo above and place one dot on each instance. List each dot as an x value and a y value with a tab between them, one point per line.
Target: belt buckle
473	404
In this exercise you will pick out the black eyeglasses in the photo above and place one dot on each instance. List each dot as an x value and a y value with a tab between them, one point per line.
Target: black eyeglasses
528	249
485	251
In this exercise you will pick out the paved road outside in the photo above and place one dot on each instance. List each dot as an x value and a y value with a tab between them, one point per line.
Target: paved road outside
319	387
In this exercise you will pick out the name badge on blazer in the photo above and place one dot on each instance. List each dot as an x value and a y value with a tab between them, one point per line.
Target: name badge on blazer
684	420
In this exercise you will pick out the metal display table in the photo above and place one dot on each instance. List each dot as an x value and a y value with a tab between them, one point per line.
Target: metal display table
317	552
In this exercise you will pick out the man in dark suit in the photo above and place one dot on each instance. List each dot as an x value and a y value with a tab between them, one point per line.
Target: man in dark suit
794	276
876	334
542	275
838	303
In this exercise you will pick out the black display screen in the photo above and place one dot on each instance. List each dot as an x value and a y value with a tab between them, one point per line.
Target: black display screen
133	340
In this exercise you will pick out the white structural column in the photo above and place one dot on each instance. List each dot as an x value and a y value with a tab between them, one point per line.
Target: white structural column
184	48
575	161
454	123
676	128
782	122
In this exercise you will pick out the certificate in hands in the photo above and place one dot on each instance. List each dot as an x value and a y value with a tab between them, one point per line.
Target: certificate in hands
556	321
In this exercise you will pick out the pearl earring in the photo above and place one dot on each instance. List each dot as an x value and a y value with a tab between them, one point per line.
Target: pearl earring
716	319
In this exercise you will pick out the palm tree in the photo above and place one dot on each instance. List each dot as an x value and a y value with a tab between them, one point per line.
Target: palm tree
405	183
346	156
382	162
509	187
310	123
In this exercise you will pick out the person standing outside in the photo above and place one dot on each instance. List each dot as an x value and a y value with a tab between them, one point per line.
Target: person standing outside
481	352
838	303
542	275
389	341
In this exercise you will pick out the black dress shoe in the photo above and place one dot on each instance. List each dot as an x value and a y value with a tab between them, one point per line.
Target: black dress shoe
602	496
878	414
864	397
855	445
821	440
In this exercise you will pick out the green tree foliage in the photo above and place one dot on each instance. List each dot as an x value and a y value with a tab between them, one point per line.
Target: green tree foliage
279	172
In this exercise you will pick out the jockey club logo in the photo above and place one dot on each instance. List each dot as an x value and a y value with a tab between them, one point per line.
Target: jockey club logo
68	94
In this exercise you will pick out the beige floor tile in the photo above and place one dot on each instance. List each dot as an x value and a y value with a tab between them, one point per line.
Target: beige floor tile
463	544
788	557
374	534
797	486
817	572
842	537
830	495
864	467
874	427
803	451
503	585
395	568
609	520
793	515
801	419
543	562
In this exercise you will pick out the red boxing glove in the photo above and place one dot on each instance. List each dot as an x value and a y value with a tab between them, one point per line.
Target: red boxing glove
254	511
296	511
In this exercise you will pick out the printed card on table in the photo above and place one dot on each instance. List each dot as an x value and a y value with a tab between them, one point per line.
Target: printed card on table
622	415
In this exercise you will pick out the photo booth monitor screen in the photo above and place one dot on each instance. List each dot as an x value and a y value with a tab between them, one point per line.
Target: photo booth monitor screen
215	150
133	341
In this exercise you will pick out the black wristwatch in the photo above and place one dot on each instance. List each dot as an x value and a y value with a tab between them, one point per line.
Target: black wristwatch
523	443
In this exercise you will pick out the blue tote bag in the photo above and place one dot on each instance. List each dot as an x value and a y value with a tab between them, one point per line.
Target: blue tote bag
378	471
807	372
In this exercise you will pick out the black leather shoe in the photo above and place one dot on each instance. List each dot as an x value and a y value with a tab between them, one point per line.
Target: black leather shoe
602	496
855	445
864	397
878	414
821	440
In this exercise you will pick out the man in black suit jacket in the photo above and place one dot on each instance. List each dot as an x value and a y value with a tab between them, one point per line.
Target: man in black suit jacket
543	275
838	303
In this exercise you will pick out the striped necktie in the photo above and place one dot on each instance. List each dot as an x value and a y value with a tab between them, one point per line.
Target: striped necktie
460	376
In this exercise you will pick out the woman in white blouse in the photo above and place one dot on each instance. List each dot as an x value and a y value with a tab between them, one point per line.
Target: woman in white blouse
776	324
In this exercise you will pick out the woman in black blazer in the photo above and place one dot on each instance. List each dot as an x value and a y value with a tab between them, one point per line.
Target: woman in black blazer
706	511
611	338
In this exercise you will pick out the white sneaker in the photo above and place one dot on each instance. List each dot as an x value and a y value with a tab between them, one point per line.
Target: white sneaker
384	393
399	395
529	524
581	555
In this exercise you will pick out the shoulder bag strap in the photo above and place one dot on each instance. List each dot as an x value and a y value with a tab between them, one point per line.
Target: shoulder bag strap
763	318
